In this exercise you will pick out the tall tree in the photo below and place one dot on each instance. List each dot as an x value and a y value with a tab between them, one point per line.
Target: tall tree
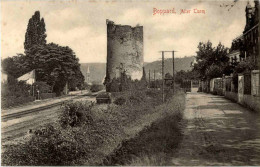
36	32
211	61
55	65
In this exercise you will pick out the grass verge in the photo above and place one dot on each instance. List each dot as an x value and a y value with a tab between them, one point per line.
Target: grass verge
86	135
153	145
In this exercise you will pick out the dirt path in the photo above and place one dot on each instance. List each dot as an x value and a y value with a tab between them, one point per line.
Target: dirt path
218	132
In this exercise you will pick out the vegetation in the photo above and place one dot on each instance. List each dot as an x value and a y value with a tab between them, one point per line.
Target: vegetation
212	62
43	87
125	83
75	114
15	93
183	63
98	70
96	88
56	65
182	76
152	146
82	130
36	32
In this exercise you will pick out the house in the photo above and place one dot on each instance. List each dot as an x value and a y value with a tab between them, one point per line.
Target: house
247	44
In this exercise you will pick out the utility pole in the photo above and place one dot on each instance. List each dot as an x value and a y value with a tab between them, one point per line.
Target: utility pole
149	78
154	75
163	76
173	76
154	83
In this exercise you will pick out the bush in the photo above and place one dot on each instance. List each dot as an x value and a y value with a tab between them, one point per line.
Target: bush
47	95
82	131
75	113
47	146
43	87
57	144
15	93
96	88
12	101
120	101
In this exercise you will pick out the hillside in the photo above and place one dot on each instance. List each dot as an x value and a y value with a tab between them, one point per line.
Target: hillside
179	63
98	70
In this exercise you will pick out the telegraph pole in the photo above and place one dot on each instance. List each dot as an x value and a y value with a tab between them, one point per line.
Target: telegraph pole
149	78
154	75
154	83
163	76
173	76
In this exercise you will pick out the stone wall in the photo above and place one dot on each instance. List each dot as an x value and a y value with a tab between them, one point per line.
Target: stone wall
124	51
252	102
231	96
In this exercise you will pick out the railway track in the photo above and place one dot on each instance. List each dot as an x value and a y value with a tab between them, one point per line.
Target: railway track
29	111
16	125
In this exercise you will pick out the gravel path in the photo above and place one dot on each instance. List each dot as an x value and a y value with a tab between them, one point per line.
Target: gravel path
218	132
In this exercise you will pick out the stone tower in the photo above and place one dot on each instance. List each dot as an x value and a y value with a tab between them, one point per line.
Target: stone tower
124	51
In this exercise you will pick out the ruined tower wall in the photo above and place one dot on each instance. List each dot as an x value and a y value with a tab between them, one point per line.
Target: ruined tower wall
124	50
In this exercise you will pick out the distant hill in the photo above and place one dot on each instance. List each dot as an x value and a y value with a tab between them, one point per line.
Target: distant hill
98	70
179	63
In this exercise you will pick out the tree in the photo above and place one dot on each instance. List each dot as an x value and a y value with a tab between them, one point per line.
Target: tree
143	80
55	65
211	61
15	66
35	33
168	81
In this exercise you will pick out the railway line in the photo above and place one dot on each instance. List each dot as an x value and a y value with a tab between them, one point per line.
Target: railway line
17	124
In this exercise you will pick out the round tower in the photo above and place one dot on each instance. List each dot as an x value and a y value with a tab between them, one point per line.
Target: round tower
124	51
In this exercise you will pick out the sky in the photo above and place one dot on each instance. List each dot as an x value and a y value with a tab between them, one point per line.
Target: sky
81	25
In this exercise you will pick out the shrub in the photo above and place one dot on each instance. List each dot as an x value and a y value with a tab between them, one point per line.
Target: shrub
47	95
75	113
151	93
43	87
82	131
47	146
15	93
96	88
12	101
120	101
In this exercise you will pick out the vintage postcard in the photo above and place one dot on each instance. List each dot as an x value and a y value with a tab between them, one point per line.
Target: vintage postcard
130	83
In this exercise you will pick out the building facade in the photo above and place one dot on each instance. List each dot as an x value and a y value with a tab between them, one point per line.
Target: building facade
247	44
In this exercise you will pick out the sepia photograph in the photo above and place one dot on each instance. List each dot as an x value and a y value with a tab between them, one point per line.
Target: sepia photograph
130	83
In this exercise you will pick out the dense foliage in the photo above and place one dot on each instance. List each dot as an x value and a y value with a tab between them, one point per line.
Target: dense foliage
212	61
15	93
83	130
56	65
96	88
15	66
182	76
125	83
35	33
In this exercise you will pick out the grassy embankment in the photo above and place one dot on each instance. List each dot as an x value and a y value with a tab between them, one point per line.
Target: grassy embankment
86	135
